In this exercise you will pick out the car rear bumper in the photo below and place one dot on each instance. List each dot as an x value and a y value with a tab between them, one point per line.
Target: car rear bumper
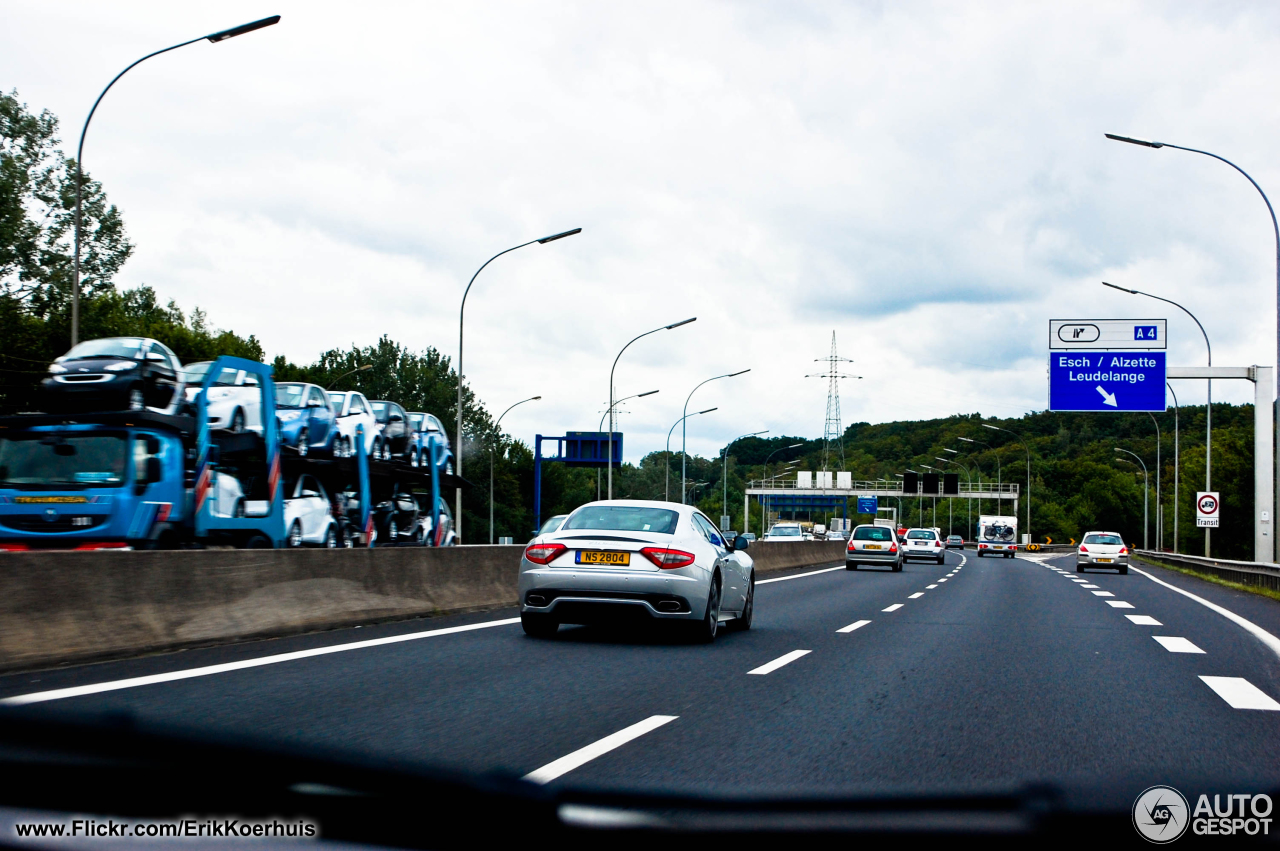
932	552
599	596
1101	560
869	557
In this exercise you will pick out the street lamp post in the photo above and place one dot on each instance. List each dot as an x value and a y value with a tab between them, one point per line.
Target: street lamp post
669	431
1175	466
213	38
1146	490
600	427
684	443
1208	410
1027	449
458	453
1275	230
999	473
724	476
499	434
609	476
764	506
364	368
1159	504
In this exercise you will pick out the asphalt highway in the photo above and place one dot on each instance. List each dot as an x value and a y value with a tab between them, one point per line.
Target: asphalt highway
971	675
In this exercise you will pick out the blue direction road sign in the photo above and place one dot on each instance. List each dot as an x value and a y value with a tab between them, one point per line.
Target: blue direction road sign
1106	381
867	504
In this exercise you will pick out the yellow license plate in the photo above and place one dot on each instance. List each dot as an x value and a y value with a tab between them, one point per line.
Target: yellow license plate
61	500
1104	559
602	557
872	547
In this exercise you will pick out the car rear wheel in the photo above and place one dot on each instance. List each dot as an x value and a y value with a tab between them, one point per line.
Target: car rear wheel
137	401
850	565
1124	571
941	559
237	421
294	539
705	630
743	621
897	567
304	443
414	459
537	625
330	539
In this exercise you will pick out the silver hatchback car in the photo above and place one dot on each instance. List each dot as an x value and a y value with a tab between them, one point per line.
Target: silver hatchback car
873	545
627	560
1102	549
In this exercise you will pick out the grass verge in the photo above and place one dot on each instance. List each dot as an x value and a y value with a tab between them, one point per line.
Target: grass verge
1215	579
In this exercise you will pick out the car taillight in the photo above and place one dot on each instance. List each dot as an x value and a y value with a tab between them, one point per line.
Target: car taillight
851	546
937	543
1083	548
543	553
667	558
1123	550
13	548
893	548
982	546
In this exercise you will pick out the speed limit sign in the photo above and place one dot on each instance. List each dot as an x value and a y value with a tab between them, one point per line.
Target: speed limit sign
1207	505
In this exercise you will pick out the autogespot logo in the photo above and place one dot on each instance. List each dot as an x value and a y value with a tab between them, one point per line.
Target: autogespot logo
1160	814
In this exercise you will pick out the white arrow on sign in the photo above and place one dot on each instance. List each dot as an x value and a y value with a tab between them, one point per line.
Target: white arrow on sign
1107	398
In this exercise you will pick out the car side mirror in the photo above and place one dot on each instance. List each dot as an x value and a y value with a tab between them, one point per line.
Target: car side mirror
395	418
740	543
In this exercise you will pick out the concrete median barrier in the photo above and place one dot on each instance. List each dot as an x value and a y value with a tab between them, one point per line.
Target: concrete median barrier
63	607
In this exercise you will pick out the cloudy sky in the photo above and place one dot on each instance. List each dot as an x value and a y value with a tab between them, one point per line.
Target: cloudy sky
929	181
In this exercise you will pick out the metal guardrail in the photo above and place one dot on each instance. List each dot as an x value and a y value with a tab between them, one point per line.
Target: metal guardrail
1257	573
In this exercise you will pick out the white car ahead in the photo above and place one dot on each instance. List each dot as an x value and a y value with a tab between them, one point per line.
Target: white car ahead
234	399
353	409
1102	549
923	543
626	560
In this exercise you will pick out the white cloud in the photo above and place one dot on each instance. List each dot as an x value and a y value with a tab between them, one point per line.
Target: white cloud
930	180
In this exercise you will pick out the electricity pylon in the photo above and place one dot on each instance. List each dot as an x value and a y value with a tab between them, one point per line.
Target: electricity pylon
833	433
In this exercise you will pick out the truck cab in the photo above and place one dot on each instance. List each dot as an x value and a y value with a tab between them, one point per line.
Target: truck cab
117	482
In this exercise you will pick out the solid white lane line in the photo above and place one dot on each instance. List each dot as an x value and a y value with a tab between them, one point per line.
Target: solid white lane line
916	595
851	627
1144	620
893	608
785	659
1258	632
580	757
1118	604
1102	593
208	670
1176	644
1239	693
797	575
931	587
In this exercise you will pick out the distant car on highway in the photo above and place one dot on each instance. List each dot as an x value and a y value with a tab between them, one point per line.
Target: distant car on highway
873	545
114	374
955	542
750	536
1102	549
785	532
307	423
352	409
636	560
923	543
234	398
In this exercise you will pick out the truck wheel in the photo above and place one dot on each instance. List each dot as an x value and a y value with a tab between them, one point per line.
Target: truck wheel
258	541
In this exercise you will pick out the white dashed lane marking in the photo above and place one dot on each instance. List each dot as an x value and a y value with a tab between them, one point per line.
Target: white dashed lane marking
1102	593
1239	693
931	587
1176	644
851	627
943	579
893	608
580	757
1144	620
1118	604
916	595
785	659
